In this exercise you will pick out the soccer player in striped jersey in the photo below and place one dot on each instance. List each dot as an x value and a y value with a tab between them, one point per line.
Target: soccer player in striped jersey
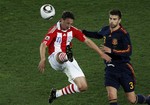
58	40
119	71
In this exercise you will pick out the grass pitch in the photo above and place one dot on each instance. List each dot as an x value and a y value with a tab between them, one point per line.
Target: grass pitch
21	32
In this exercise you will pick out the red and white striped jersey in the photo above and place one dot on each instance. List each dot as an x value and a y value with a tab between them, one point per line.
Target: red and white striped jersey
57	39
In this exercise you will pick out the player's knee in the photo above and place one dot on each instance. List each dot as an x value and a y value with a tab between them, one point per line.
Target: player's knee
112	96
62	57
82	87
132	100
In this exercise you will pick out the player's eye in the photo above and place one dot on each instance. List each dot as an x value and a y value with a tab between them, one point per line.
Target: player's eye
110	18
69	23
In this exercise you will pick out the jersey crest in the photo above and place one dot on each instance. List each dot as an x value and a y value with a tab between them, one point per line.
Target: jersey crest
114	41
47	38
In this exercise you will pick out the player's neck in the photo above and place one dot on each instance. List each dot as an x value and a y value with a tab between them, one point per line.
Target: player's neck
63	27
115	28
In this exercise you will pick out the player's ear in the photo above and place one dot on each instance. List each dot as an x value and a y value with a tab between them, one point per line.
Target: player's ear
119	20
62	20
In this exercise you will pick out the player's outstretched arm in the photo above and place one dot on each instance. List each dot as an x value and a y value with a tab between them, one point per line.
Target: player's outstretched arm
92	45
41	65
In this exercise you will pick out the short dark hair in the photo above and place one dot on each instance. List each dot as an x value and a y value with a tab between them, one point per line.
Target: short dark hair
115	12
67	14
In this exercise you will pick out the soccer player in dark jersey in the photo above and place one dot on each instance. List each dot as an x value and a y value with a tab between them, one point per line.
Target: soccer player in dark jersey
119	72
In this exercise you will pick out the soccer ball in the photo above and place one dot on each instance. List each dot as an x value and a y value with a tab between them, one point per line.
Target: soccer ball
47	11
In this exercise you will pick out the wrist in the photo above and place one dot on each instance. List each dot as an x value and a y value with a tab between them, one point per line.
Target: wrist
43	59
102	53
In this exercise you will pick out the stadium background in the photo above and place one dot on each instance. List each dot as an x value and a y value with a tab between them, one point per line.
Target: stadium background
22	29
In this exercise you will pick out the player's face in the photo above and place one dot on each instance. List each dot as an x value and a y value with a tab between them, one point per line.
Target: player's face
67	23
114	21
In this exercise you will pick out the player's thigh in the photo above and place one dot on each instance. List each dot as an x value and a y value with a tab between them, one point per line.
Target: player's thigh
73	71
112	78
127	82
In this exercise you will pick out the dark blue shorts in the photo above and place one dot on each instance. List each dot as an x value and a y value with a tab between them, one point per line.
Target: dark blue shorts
120	75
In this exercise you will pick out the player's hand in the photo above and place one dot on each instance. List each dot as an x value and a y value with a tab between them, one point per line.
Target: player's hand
105	49
106	57
41	66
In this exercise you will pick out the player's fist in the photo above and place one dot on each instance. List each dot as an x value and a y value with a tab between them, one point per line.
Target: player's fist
41	66
106	57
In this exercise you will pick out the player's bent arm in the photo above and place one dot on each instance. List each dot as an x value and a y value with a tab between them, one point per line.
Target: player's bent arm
92	45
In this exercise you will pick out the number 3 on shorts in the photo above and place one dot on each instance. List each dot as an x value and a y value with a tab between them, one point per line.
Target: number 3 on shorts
131	85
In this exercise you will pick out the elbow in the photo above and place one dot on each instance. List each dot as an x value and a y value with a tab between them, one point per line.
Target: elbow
43	45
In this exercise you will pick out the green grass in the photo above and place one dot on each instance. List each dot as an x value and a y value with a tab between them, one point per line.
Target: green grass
22	29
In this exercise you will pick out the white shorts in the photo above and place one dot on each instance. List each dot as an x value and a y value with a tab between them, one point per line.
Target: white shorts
71	69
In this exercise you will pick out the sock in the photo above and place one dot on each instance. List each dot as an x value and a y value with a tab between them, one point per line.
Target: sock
148	100
113	102
63	57
140	99
70	89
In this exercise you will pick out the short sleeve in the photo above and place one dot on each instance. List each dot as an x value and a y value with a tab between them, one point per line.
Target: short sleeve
79	35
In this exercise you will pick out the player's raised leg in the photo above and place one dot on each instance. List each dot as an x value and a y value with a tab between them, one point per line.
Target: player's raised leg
77	79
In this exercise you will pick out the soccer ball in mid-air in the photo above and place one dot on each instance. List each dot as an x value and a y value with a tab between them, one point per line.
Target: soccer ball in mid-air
47	11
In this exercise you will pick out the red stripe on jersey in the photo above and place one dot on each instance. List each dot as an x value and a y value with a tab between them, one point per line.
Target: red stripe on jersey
49	38
78	34
64	42
123	30
132	70
51	30
123	51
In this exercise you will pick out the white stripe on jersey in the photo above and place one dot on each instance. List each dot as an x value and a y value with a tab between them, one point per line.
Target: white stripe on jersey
57	43
69	37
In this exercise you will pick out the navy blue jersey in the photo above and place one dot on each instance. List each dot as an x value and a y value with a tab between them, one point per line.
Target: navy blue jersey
119	71
118	41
